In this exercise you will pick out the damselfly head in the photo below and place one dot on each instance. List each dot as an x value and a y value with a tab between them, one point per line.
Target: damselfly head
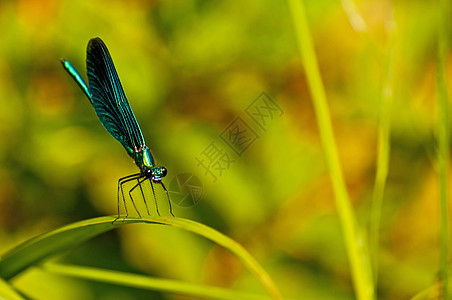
156	173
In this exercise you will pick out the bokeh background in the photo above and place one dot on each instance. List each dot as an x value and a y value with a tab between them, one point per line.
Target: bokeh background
189	69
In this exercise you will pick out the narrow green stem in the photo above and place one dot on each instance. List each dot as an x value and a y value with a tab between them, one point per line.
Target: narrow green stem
384	147
443	143
149	283
357	253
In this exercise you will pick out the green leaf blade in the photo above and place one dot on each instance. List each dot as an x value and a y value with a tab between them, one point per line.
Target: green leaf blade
67	237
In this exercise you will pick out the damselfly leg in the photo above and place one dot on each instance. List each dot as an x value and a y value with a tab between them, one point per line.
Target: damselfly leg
155	198
169	200
121	182
140	179
141	189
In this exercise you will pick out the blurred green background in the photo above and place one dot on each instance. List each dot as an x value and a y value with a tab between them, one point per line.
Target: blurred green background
189	69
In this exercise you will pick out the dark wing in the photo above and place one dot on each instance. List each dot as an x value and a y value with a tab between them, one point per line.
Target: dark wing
109	99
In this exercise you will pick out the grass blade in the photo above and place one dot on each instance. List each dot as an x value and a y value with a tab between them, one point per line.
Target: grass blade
150	283
54	242
357	253
8	292
69	236
384	147
443	143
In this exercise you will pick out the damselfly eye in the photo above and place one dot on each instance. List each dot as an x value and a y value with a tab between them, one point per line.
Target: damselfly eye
163	172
